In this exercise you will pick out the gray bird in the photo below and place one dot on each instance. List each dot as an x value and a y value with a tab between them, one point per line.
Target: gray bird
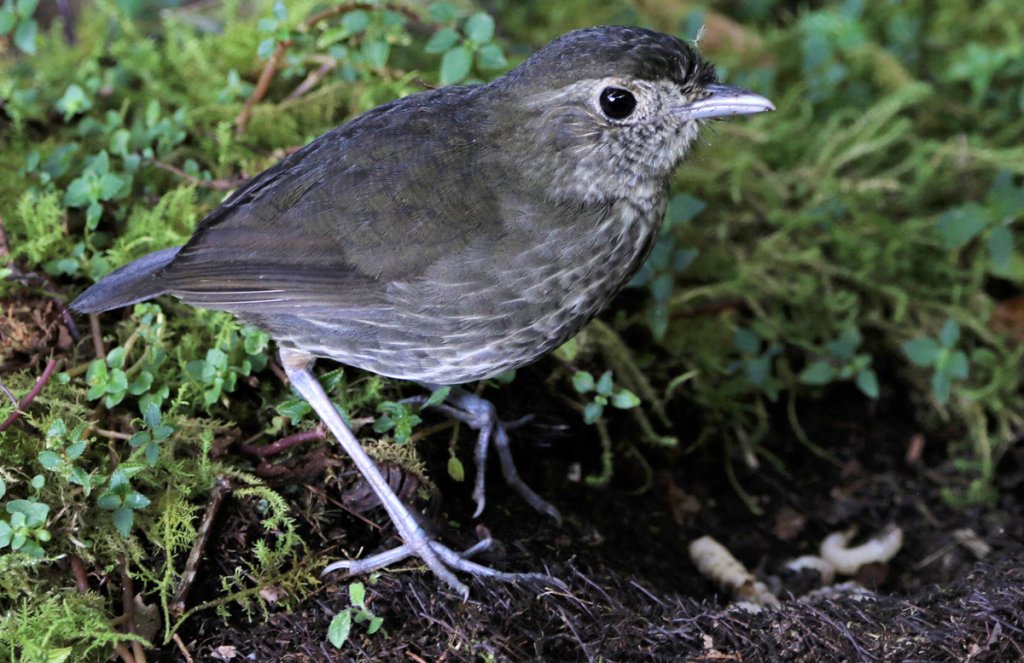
452	235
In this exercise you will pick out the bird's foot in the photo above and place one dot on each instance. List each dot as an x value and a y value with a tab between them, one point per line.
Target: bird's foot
480	415
451	559
415	542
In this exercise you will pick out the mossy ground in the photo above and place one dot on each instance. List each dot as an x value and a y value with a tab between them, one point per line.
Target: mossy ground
837	281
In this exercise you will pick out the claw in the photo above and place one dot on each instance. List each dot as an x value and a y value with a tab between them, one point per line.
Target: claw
415	542
480	415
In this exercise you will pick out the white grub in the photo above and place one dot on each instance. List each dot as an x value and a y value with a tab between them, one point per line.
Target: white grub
825	570
717	564
847	561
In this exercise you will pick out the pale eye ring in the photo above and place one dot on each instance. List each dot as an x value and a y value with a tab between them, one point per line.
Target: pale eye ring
617	103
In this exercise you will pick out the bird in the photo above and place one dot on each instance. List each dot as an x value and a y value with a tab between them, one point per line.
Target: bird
452	235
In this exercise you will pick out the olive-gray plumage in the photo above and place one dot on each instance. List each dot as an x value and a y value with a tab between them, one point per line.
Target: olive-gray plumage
456	233
451	235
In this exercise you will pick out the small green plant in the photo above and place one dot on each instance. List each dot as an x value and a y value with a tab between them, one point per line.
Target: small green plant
16	20
941	355
24	529
666	261
401	419
990	222
152	435
757	362
341	625
841	361
460	49
602	392
122	499
64	449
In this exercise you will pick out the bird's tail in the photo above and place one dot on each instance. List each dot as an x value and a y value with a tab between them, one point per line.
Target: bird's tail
133	283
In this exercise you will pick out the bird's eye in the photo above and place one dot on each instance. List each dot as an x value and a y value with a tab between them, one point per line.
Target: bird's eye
618	104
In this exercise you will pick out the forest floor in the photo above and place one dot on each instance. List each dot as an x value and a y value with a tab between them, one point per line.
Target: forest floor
954	592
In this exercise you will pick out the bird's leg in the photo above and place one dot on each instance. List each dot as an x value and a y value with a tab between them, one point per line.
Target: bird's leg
415	542
479	414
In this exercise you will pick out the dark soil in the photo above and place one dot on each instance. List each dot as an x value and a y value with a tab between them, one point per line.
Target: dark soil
633	593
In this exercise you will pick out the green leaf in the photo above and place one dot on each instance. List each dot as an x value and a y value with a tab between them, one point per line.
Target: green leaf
867	382
682	208
957	366
340	627
3	488
25	36
5	534
280	11
115	358
265	49
7	19
941	384
480	28
747	342
441	41
455	65
583	382
605	384
818	373
74	451
34	513
151	415
455	469
49	460
624	399
73	102
78	193
377	53
357	594
355	22
1000	248
124	518
438	396
442	12
108	501
923	351
374	625
960	225
950	334
490	56
26	8
136	500
110	186
592	412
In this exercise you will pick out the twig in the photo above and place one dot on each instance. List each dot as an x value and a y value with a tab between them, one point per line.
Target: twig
31	395
97	336
78	570
123	652
313	78
221	487
181	645
217	185
112	434
270	68
285	443
128	600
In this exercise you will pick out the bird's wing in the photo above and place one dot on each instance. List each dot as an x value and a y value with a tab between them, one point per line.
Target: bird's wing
376	201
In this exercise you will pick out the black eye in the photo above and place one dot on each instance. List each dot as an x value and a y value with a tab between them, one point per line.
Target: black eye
617	103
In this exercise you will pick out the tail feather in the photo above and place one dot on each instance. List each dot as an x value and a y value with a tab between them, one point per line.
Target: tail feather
133	283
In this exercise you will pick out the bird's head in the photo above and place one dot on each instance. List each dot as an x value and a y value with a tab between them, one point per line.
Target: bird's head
605	110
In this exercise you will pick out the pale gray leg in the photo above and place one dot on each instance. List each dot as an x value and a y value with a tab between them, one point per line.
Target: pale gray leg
480	415
440	559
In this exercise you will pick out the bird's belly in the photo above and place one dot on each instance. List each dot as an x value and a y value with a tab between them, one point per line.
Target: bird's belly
485	321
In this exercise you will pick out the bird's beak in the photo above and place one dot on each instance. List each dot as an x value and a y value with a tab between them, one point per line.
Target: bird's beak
725	100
